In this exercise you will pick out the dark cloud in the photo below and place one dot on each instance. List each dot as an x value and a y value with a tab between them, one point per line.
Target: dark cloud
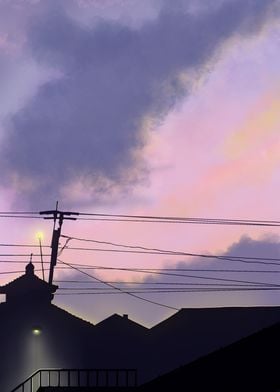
87	123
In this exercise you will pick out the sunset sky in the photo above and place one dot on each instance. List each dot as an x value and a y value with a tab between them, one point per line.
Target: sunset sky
142	107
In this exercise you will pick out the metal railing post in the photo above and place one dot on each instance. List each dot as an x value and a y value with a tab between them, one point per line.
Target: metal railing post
79	378
97	378
107	378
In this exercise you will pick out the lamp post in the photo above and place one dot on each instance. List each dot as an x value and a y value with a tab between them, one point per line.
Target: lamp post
39	235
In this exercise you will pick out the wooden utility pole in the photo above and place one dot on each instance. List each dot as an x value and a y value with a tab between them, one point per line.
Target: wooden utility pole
57	216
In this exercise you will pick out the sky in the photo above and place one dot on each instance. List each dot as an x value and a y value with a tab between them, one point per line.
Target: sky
151	107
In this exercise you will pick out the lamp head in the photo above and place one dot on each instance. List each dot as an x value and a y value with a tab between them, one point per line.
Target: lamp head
36	330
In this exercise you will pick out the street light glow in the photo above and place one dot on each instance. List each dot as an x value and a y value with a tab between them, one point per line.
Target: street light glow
36	331
39	235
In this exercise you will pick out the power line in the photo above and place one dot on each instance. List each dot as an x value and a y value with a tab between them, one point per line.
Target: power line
180	286
117	288
157	272
153	217
219	270
149	218
176	218
200	290
254	260
183	270
11	272
19	262
125	282
20	254
20	216
23	271
24	245
177	290
170	253
230	223
19	213
185	219
165	250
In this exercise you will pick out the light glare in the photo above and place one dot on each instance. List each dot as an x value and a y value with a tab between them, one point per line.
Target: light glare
39	235
36	331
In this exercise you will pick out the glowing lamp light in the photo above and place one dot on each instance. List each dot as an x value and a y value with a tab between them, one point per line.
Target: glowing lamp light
36	331
39	235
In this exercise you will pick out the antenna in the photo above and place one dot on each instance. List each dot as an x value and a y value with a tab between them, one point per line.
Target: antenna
60	216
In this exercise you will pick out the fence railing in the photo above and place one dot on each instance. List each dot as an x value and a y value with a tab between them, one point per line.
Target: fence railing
78	378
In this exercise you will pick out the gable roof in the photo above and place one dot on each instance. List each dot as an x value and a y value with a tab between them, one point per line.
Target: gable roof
120	324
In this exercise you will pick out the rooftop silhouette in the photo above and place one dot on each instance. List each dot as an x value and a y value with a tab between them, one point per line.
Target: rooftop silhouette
28	289
35	334
247	365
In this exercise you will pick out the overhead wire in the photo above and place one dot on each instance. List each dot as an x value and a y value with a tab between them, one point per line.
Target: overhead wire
166	284
144	250
24	245
148	218
231	223
157	251
19	213
177	219
201	290
20	216
158	272
117	288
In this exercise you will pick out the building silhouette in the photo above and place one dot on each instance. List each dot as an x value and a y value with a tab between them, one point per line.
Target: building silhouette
250	364
28	289
35	334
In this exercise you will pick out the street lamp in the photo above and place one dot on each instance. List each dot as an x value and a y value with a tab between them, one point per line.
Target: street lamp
40	236
36	331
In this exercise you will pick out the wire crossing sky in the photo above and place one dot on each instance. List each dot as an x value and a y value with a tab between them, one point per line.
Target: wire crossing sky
156	120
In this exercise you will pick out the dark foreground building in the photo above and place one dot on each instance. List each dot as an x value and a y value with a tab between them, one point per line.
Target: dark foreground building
251	364
35	334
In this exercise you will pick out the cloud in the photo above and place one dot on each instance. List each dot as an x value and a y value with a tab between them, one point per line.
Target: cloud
230	270
86	126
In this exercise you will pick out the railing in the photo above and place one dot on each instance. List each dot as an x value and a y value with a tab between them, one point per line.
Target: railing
78	378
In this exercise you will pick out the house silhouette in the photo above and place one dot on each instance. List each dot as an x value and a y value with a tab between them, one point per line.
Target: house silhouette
35	334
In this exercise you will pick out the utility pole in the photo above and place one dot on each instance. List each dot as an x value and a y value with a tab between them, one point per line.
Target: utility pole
56	216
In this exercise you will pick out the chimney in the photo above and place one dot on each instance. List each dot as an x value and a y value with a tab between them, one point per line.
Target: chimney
125	316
